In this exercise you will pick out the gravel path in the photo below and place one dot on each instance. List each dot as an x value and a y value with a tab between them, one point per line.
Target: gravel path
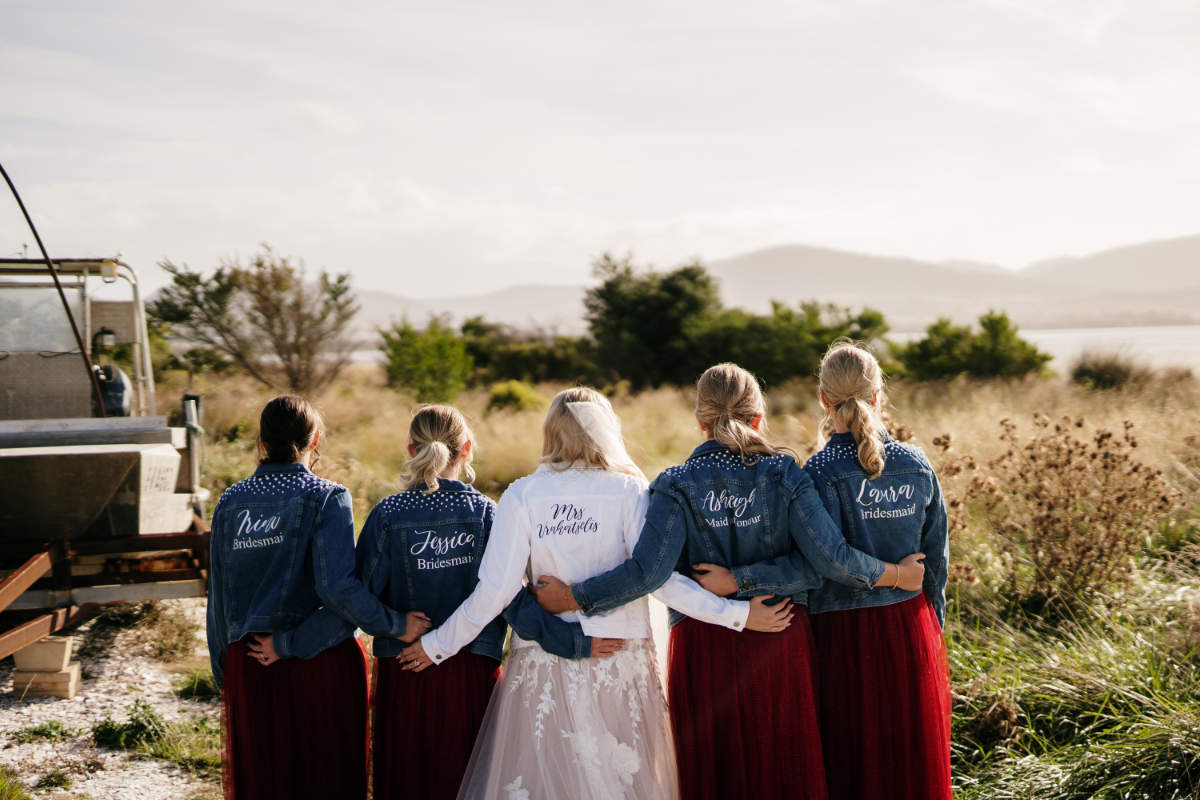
118	669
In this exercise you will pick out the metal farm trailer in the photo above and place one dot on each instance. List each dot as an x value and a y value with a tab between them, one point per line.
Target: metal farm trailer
98	505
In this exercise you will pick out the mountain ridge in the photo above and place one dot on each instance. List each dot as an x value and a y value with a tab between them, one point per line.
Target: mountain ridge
1125	285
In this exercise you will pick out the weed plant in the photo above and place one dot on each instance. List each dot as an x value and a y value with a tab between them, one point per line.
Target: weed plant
11	787
52	731
194	745
1066	508
54	779
198	684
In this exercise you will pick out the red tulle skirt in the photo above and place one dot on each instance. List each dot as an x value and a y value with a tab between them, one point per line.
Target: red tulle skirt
298	728
885	702
744	713
426	723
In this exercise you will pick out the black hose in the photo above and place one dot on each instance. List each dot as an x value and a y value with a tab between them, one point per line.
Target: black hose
87	361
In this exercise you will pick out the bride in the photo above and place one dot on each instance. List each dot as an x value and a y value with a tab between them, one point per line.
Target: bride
589	728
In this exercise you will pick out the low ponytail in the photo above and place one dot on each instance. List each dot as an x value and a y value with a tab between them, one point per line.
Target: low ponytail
438	434
431	460
851	380
728	399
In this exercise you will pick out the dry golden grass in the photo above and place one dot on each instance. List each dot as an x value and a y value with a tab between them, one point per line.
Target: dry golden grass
367	424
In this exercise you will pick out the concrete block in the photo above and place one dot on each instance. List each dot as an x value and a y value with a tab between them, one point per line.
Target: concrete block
50	654
64	684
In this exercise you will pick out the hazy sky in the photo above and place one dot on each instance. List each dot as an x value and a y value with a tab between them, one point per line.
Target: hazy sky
464	147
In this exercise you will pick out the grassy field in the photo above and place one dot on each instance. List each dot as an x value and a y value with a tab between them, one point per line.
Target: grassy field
1074	615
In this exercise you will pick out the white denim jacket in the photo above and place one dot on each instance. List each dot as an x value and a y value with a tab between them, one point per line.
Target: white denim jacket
571	523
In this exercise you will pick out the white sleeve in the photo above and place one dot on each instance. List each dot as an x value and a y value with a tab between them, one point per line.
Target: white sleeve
680	592
688	597
501	573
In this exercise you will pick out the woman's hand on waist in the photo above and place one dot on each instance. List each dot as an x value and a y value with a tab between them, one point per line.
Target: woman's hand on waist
909	574
553	595
603	648
414	658
416	625
769	619
261	648
715	578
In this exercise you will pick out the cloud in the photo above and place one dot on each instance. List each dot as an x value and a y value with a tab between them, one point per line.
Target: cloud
325	118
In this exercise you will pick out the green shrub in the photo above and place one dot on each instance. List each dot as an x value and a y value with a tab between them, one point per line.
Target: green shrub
54	779
53	731
143	727
501	352
514	396
198	684
434	363
947	350
1108	371
194	745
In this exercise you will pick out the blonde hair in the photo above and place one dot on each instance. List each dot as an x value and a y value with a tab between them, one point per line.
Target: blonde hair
728	399
438	434
566	443
850	381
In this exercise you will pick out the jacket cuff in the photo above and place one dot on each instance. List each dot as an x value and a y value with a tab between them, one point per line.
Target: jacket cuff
434	650
583	645
878	575
581	598
745	580
283	643
735	618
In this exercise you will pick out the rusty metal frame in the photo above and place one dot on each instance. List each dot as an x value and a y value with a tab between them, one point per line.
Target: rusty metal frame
47	574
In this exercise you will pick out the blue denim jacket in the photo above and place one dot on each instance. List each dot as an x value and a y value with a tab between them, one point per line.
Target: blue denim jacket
282	547
898	513
763	520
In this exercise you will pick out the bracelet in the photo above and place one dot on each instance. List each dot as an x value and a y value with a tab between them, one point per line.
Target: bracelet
896	585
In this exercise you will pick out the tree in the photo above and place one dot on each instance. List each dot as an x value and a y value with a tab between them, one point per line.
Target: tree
433	362
996	351
787	343
265	317
640	319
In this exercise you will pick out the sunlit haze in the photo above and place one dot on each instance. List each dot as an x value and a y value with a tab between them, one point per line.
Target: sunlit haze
461	148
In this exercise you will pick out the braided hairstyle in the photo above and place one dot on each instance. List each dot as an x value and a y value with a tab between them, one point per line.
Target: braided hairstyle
852	385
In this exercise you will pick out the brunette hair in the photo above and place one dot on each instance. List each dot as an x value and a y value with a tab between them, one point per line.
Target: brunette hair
438	434
851	380
565	442
728	398
287	427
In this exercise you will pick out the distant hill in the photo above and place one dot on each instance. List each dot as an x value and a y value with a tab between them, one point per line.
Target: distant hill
1144	284
1165	265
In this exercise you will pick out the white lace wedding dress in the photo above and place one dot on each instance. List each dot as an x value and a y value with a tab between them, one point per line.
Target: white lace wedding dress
583	729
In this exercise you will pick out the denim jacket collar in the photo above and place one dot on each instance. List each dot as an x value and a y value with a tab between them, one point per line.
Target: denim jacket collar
706	447
449	485
276	469
848	438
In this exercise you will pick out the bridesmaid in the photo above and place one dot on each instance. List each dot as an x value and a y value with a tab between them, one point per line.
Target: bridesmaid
282	547
880	645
